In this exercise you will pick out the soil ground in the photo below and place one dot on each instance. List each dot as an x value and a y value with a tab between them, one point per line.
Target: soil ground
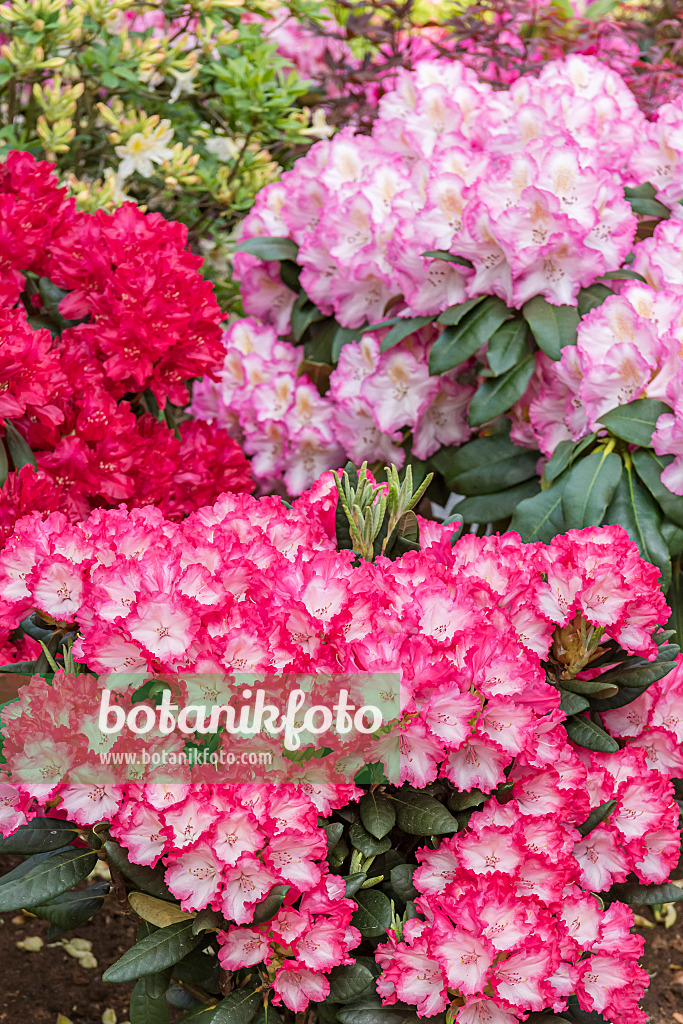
36	987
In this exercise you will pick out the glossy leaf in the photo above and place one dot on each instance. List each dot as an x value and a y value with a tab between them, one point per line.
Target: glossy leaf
150	880
553	327
274	248
367	844
572	703
634	508
348	981
589	489
484	465
636	421
540	517
148	1006
447	257
595	817
454	314
457	343
19	451
373	916
591	297
649	468
240	1007
585	733
419	814
489	508
403	329
72	908
645	895
377	813
402	882
39	835
161	949
507	346
47	879
498	394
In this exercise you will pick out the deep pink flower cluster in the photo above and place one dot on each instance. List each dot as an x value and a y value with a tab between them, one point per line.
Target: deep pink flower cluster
250	585
509	927
149	322
374	403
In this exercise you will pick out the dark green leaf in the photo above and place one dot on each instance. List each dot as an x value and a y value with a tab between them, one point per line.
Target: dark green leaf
19	450
73	908
635	422
454	314
402	329
447	257
367	844
592	296
673	538
48	879
457	343
489	508
553	327
4	464
591	688
634	508
589	489
146	1005
240	1007
638	672
334	830
348	981
290	272
586	733
354	882
38	835
572	703
304	313
645	895
561	458
402	882
162	949
498	394
540	517
419	814
149	880
624	274
484	465
377	814
20	668
265	248
207	920
343	336
269	907
649	468
507	346
373	916
596	816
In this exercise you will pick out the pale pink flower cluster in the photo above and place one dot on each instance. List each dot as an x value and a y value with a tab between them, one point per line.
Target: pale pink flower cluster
373	405
627	348
524	183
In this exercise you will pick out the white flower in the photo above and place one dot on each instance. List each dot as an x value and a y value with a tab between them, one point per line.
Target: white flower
141	152
319	128
184	82
223	148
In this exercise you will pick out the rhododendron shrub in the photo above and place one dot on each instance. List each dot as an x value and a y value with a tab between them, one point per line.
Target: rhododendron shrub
512	658
488	287
104	319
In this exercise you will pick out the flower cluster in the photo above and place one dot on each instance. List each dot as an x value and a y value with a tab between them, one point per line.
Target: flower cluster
96	311
627	348
373	404
525	184
249	584
508	927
